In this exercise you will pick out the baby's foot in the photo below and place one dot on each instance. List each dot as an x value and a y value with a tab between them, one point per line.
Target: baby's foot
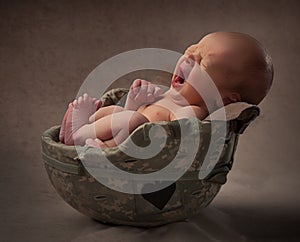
84	107
95	143
78	115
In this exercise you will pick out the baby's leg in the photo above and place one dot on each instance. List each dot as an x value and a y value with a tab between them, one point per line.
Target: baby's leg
112	129
102	112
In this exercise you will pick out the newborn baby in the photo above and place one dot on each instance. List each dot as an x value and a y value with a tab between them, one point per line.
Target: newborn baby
238	65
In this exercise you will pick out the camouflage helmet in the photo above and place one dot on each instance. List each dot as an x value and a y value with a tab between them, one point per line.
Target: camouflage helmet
177	201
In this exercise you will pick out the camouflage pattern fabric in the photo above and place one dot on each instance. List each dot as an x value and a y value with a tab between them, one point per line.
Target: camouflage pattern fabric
187	196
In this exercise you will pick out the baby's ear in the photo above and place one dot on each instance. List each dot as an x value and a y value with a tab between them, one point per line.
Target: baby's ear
232	98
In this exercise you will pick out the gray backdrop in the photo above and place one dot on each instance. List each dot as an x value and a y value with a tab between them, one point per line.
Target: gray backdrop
47	48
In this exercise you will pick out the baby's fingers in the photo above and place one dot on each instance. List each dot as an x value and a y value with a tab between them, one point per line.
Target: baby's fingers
157	91
142	92
144	86
136	85
150	98
151	89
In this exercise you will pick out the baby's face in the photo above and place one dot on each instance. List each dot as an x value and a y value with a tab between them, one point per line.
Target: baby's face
216	54
202	54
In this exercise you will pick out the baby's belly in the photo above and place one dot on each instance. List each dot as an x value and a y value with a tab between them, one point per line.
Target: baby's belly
155	113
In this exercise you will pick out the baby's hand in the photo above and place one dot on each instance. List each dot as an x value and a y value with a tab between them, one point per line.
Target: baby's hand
141	92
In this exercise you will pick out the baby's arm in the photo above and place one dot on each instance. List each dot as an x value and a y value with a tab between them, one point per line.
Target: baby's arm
141	92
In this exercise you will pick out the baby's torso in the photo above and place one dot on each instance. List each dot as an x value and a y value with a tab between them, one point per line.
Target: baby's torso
161	110
155	113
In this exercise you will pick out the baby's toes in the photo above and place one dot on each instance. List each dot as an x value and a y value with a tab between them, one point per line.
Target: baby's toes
94	100
75	103
98	104
86	98
80	100
91	142
95	143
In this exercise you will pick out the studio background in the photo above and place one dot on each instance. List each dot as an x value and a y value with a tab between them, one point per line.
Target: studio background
47	48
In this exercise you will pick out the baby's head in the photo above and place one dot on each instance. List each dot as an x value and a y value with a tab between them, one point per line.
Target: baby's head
237	63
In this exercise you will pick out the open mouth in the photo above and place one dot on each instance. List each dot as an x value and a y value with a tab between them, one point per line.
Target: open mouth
177	81
182	73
